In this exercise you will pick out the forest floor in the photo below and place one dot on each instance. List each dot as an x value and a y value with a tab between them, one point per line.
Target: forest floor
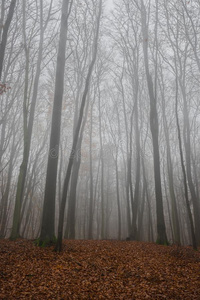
98	270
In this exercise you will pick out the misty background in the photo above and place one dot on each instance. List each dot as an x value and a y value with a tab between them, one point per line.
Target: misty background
100	108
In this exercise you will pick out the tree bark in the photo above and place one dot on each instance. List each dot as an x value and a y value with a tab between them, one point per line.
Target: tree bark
5	34
28	123
194	243
161	230
47	234
58	246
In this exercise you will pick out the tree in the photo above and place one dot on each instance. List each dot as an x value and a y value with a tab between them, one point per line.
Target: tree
77	131
28	117
161	230
83	47
194	243
91	200
5	31
47	234
170	172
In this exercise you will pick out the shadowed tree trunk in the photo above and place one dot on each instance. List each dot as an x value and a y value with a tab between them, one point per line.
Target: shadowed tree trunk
71	213
128	160
28	121
76	135
161	230
5	197
194	243
23	166
134	227
47	234
5	33
187	145
118	201
170	175
102	172
91	200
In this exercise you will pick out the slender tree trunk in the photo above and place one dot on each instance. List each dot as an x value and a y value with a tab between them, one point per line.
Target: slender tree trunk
140	215
4	201
194	243
77	131
118	201
149	210
168	209
91	200
187	145
136	200
3	138
175	220
23	167
71	214
129	174
28	124
102	175
47	234
128	159
161	230
70	229
6	27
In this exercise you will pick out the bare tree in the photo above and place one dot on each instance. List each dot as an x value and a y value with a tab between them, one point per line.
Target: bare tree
77	132
161	230
5	27
28	117
194	243
47	234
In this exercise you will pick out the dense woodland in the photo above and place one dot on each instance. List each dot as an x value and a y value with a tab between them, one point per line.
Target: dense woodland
100	120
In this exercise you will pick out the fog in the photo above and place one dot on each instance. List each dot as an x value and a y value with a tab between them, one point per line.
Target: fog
109	4
99	120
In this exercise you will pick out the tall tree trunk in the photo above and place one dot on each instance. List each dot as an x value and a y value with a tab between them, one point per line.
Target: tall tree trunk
102	175
194	243
70	228
136	200
118	201
187	145
91	200
128	160
168	207
149	210
23	167
170	175
129	175
76	136
140	215
6	27
5	197
47	234
161	230
28	123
